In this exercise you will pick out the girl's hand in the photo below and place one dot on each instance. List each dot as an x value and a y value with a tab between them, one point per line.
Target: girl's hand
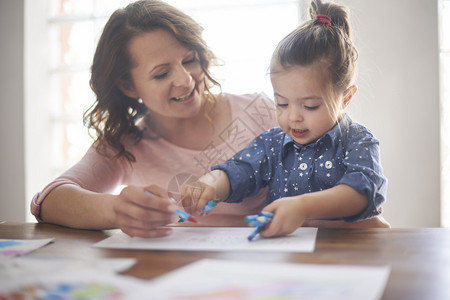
194	196
289	215
143	214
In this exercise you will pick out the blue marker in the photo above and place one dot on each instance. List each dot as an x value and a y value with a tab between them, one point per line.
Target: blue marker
260	221
210	205
255	232
184	216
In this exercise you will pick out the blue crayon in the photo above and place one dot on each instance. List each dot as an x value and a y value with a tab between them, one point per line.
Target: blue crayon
267	214
261	218
260	221
184	216
210	205
252	221
254	233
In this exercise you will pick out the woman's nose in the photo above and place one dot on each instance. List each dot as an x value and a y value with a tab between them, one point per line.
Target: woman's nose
182	77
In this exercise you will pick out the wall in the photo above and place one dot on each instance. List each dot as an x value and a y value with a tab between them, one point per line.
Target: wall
398	100
12	167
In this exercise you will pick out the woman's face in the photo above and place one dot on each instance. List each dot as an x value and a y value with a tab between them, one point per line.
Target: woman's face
167	75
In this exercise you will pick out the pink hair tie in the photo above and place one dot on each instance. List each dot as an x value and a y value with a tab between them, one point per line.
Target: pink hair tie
324	19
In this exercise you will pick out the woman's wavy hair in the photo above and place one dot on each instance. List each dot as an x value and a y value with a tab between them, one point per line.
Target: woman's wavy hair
329	45
113	115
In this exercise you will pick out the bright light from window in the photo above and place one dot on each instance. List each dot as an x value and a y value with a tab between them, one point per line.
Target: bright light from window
445	110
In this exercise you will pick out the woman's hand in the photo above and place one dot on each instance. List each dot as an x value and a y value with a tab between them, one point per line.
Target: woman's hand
144	211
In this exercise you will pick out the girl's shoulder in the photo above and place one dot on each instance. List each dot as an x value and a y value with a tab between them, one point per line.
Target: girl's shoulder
273	133
355	127
357	132
272	137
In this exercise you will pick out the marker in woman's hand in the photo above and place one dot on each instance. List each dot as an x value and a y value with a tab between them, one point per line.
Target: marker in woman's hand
184	216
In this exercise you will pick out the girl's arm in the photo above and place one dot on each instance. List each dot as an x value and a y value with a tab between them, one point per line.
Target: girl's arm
291	212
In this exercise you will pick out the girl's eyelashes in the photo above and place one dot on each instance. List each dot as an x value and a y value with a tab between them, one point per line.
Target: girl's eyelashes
311	108
315	107
282	104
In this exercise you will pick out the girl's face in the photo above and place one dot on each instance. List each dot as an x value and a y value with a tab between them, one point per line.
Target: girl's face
167	77
301	108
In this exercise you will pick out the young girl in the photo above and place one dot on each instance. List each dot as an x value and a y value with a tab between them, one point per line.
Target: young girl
318	164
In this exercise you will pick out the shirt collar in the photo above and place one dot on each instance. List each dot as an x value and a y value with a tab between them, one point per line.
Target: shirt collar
331	137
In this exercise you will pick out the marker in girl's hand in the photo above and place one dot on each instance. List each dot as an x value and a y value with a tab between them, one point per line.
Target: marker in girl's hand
210	205
184	216
261	221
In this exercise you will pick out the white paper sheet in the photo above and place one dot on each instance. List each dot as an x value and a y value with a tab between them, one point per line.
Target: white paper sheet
219	279
216	238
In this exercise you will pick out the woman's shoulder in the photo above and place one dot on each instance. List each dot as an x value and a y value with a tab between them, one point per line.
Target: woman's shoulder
245	100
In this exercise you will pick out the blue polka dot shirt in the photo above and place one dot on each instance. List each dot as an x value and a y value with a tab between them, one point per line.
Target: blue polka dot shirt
346	154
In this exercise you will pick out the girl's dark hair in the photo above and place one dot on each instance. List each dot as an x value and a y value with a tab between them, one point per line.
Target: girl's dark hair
317	42
113	115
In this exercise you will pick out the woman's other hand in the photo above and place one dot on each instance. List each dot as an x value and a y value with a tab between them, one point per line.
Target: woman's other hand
144	212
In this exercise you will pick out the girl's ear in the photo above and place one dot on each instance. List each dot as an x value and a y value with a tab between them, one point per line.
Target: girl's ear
127	88
348	94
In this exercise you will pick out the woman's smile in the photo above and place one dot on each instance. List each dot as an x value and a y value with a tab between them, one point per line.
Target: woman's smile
186	98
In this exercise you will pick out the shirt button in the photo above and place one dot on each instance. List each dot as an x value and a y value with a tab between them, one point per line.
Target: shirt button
303	166
328	164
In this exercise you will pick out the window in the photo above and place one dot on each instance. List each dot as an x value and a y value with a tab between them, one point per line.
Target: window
444	37
60	42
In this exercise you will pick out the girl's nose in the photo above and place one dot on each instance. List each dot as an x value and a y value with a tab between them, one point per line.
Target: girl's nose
182	77
295	114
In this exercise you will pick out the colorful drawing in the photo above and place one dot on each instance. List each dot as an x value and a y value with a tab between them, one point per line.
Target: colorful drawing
74	284
11	247
9	243
69	291
211	279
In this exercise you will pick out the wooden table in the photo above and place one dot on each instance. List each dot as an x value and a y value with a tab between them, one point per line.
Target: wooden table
419	258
